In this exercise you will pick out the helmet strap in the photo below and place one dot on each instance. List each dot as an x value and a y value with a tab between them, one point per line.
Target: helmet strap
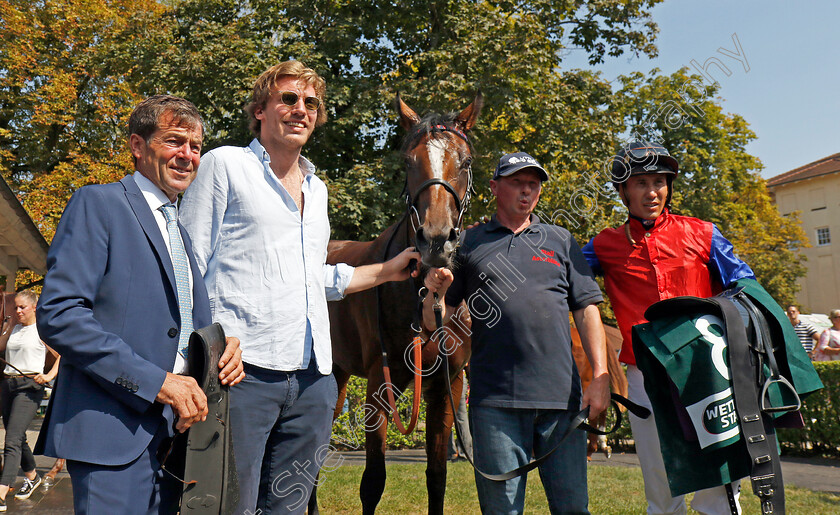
670	179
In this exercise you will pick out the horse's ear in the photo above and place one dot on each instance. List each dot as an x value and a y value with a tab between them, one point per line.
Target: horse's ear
466	120
408	118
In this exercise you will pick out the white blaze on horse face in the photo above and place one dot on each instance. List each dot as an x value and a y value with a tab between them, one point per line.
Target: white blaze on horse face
436	148
437	151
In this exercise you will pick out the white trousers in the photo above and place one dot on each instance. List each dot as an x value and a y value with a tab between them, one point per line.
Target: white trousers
711	501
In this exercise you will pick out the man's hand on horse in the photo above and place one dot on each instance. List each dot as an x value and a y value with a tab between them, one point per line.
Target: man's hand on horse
399	268
483	220
597	395
438	280
230	364
395	269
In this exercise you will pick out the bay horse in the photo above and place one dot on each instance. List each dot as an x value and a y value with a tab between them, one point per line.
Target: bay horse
618	384
438	160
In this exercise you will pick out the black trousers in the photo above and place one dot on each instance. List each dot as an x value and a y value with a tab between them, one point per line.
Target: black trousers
20	397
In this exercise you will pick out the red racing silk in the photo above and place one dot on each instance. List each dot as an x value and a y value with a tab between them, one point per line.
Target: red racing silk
670	259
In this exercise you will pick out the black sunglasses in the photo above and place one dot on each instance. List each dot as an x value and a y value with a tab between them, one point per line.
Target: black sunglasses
290	98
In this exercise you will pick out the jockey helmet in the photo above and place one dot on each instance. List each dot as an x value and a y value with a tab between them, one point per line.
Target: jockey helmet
640	157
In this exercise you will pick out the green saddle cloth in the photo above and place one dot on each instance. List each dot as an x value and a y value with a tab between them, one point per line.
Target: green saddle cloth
685	362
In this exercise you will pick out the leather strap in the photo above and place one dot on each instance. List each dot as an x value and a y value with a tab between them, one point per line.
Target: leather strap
730	497
756	427
211	484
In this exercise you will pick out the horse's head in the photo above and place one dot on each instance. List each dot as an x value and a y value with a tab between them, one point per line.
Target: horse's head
438	160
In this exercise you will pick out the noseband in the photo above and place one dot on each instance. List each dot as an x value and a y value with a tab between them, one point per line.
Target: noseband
461	204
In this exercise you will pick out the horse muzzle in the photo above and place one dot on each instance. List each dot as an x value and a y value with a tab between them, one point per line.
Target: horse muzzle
437	250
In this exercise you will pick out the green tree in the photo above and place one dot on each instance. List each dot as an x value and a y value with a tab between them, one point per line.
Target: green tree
64	97
75	69
437	54
72	71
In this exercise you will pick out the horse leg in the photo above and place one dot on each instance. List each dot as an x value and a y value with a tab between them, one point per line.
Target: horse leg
591	446
341	379
439	417
603	446
376	428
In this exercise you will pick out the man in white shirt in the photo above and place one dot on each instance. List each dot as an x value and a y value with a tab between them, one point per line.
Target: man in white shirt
257	216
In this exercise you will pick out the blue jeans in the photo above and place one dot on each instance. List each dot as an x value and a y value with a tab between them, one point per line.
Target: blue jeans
505	438
281	424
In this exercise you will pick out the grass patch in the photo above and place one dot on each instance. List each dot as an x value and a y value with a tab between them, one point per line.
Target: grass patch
612	490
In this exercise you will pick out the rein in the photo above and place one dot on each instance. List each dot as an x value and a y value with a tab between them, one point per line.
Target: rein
22	374
416	344
578	422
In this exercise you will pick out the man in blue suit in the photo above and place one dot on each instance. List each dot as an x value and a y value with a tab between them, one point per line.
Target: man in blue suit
111	307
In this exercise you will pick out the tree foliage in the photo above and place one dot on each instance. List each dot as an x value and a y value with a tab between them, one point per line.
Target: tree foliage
437	54
64	98
70	72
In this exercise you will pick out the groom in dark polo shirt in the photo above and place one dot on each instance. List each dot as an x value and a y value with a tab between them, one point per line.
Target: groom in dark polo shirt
520	278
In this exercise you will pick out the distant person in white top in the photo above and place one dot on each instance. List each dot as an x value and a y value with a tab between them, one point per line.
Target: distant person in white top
21	392
257	217
828	349
807	333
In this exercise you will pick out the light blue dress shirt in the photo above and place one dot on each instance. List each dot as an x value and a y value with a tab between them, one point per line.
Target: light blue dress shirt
156	198
264	264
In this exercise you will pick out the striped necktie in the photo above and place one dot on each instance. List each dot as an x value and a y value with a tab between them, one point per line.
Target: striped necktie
182	278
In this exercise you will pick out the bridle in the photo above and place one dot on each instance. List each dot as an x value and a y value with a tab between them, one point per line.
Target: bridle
461	204
417	343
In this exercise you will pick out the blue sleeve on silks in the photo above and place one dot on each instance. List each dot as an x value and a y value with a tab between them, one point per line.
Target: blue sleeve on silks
723	260
592	259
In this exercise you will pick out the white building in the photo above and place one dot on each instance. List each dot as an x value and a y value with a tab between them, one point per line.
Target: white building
814	191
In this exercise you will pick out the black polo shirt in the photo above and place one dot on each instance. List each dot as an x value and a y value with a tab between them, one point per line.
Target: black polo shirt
519	289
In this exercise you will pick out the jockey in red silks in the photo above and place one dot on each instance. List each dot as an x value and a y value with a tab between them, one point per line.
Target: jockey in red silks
658	255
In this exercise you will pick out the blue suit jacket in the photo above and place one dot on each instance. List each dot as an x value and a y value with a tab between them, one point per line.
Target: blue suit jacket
110	309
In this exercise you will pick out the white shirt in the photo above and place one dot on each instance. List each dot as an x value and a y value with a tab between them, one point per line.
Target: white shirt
157	198
264	264
25	351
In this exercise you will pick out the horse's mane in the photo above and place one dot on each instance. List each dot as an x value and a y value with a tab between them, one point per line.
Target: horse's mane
429	124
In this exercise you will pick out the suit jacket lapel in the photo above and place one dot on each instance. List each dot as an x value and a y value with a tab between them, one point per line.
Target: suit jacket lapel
150	227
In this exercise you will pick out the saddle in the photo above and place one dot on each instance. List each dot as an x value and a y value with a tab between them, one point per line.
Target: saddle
722	373
210	481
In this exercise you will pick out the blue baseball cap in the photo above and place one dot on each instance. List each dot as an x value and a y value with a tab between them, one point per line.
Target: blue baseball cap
509	164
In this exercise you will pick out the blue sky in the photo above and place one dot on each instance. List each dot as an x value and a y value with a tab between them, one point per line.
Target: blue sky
789	96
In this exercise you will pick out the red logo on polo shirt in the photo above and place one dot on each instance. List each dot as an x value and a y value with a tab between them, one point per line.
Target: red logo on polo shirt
549	253
546	260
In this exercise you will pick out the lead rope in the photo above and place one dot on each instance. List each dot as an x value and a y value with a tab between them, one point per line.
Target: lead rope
578	422
386	369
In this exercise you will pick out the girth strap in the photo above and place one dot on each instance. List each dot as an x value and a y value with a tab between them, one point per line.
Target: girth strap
756	426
